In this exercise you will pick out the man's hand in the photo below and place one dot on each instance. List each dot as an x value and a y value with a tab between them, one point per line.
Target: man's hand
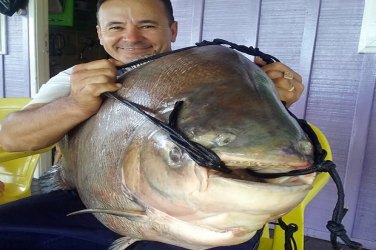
288	82
2	186
90	80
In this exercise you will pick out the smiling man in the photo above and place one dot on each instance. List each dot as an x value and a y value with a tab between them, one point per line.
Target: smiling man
130	30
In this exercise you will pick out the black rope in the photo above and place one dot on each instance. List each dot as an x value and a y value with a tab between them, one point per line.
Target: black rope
241	48
173	119
290	229
201	155
335	225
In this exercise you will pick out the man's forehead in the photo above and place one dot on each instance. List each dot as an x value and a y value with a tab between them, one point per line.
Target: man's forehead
124	11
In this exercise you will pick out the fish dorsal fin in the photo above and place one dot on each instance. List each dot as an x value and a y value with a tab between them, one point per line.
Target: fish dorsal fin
129	214
122	243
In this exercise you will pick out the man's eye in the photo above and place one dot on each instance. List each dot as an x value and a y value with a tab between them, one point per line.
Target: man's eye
148	27
115	28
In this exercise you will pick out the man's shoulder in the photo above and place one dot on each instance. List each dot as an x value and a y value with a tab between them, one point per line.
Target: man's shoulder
62	78
56	87
63	74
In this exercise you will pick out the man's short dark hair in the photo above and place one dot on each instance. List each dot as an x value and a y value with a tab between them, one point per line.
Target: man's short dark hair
166	3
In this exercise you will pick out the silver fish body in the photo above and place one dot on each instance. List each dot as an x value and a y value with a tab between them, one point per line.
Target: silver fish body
143	186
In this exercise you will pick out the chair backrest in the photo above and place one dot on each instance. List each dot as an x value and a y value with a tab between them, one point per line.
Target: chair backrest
296	215
9	105
16	169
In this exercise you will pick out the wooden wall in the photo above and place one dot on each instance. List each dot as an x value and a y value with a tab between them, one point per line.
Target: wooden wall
14	65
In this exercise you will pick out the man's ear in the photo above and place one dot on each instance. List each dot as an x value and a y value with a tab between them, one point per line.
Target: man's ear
174	31
99	33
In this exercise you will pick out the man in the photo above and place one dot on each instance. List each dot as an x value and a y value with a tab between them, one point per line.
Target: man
128	30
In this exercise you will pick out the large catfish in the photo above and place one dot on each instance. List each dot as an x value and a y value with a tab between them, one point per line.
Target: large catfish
141	184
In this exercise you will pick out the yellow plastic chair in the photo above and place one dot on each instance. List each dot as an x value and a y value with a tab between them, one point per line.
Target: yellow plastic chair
297	214
16	168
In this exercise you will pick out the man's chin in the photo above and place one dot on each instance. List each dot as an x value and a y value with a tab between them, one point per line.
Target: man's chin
129	59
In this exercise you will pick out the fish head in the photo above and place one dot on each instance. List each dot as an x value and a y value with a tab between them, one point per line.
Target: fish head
245	123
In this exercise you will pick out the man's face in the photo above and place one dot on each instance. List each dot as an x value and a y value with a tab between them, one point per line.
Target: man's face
132	29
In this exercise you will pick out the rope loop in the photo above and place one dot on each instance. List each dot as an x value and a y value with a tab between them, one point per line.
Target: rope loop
289	229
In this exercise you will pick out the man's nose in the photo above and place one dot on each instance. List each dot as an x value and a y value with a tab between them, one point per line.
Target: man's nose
132	33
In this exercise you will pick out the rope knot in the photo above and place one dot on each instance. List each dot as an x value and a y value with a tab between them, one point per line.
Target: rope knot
326	166
336	228
292	227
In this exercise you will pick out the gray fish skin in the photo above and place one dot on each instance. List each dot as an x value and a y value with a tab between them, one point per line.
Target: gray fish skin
119	161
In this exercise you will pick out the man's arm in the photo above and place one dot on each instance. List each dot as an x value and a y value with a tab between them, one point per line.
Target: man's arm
41	125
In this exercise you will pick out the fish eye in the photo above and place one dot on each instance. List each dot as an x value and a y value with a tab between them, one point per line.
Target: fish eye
224	139
176	155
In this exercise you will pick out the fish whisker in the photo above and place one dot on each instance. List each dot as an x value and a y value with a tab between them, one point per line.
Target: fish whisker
127	214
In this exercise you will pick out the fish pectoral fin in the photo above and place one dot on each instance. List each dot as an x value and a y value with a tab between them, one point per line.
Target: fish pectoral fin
129	214
122	243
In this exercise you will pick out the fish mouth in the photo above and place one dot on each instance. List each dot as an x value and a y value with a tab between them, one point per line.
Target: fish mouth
245	171
236	174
